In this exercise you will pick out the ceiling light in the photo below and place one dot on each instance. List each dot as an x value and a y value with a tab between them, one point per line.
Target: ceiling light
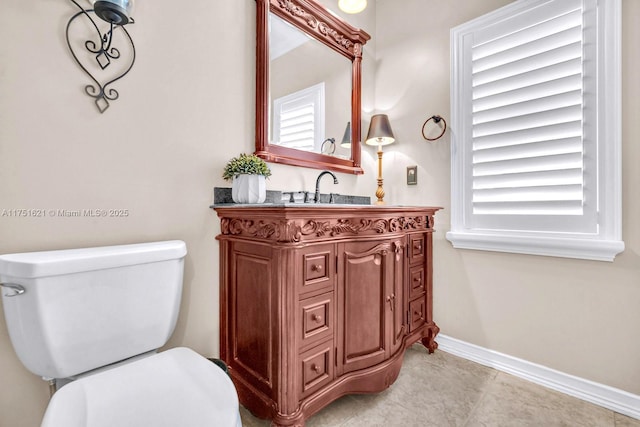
352	6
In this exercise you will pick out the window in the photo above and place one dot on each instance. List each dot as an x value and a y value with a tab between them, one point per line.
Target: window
536	130
298	119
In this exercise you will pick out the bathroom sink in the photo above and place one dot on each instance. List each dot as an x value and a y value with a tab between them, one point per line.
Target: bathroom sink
306	198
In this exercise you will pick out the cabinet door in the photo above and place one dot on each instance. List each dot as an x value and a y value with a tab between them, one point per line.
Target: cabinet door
398	327
367	302
252	332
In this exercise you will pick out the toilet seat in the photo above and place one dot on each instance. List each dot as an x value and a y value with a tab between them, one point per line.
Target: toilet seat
174	388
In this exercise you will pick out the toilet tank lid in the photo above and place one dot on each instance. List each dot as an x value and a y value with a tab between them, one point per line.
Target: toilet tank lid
67	261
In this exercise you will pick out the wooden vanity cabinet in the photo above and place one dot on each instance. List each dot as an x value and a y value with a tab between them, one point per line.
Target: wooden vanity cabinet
318	302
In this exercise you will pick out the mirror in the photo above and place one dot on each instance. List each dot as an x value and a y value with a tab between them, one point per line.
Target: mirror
310	104
308	73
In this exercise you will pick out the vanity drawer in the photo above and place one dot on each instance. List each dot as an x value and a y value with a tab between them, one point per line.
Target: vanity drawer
317	268
316	318
417	314
416	248
416	281
317	368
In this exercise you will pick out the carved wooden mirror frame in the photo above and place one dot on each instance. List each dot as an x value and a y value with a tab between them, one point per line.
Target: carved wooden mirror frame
318	22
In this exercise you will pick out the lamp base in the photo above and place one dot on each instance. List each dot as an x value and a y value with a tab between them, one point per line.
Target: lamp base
380	193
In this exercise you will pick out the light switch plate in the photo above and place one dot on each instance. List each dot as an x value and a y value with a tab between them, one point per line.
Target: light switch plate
412	175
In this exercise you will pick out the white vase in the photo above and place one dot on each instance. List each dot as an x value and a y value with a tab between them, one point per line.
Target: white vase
249	189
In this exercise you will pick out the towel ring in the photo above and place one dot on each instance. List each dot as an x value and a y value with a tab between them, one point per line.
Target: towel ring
436	119
332	146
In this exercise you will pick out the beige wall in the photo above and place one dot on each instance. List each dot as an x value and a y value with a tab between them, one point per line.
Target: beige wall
187	107
579	317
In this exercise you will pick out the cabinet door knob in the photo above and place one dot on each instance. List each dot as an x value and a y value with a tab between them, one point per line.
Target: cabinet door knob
315	368
316	267
316	318
417	279
391	299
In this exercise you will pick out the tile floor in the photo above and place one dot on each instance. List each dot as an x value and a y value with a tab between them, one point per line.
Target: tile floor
443	390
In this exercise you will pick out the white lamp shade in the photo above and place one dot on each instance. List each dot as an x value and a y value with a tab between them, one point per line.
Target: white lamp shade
346	139
352	6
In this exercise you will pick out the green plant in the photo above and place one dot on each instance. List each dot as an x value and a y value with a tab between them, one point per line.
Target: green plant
245	164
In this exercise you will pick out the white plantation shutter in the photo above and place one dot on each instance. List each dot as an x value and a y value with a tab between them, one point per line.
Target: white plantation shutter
527	120
297	126
299	119
526	147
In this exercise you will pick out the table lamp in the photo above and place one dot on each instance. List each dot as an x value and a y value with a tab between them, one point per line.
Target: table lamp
380	134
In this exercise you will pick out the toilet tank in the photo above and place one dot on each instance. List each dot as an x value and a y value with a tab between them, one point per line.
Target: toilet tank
86	308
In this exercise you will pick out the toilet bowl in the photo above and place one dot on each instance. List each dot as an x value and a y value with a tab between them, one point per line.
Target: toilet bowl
94	318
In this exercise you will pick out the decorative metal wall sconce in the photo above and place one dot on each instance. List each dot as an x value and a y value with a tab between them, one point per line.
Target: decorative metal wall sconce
101	48
436	119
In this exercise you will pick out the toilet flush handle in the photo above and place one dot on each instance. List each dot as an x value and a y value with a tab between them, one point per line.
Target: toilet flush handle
15	288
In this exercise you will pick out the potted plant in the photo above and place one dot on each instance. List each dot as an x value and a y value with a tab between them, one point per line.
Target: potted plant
248	173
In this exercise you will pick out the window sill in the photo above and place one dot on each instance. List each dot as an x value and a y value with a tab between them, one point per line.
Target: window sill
557	246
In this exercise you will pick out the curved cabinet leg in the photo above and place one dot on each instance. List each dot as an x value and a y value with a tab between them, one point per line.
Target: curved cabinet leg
274	423
295	419
429	340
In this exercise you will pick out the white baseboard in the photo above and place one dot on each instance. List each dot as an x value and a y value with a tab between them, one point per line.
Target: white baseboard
611	398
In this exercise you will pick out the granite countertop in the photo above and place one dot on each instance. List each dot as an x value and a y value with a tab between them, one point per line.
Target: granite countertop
222	198
291	205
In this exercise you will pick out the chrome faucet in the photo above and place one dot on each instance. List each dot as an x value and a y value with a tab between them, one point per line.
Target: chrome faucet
316	197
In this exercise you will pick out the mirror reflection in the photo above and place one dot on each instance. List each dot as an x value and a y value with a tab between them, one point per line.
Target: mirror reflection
342	42
309	92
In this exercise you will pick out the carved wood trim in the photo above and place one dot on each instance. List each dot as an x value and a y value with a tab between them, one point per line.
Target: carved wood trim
319	25
297	230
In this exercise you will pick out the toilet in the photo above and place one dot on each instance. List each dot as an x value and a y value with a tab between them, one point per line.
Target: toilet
92	320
